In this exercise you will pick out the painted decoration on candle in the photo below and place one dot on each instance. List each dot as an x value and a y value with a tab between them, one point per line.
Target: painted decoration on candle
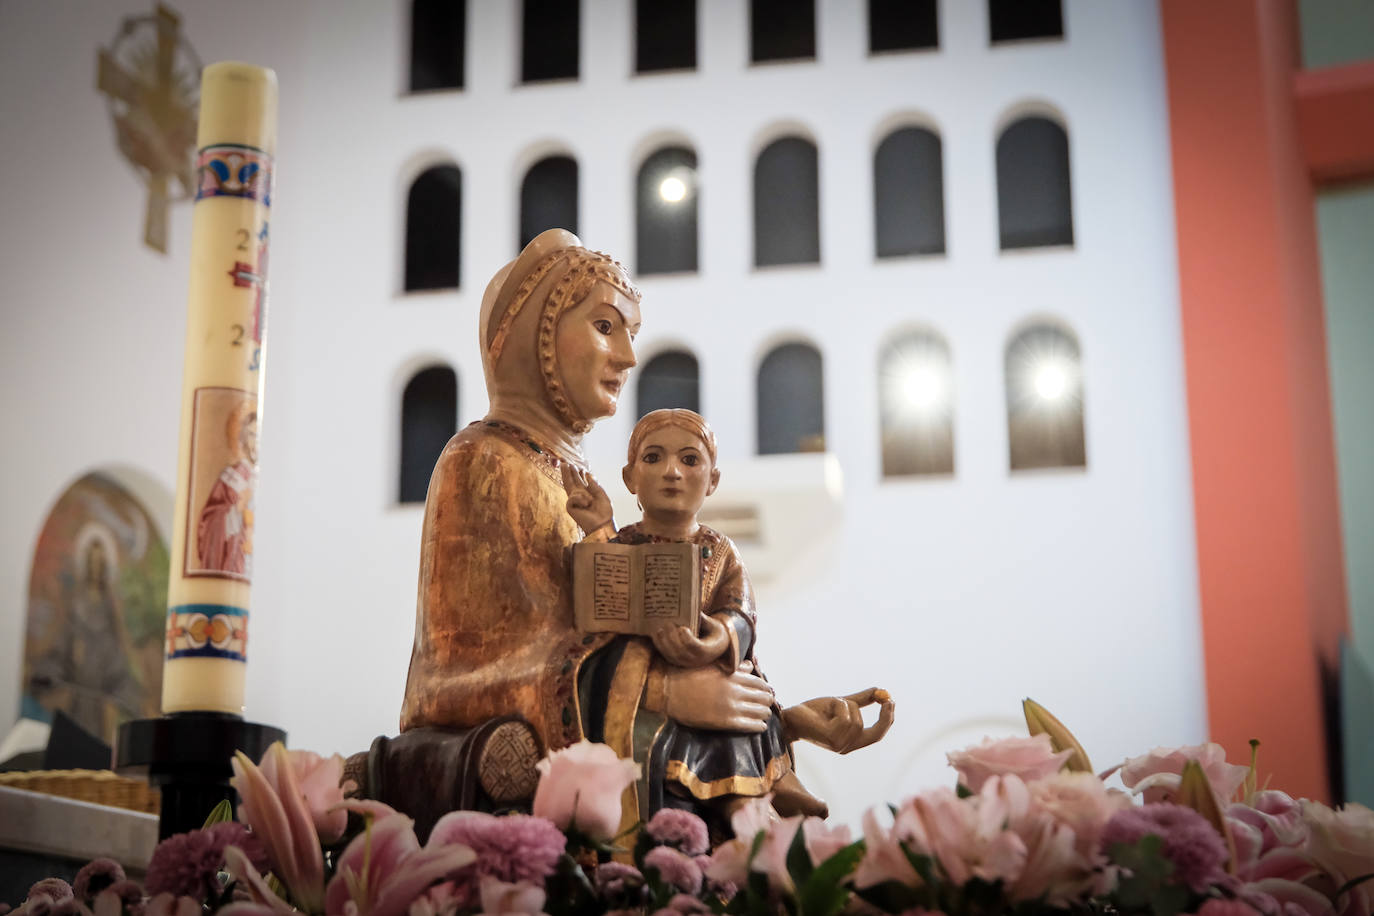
150	77
207	631
97	600
252	275
223	478
234	170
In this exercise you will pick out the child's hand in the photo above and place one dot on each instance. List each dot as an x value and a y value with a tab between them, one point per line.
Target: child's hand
588	503
681	647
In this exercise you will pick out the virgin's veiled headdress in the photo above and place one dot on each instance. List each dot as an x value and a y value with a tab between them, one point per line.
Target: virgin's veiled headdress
520	313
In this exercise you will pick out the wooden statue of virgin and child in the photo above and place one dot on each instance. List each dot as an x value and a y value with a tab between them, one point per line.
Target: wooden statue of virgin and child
501	671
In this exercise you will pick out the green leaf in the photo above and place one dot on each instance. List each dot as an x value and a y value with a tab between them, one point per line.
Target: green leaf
1170	900
570	893
962	790
220	814
798	859
924	864
824	893
892	896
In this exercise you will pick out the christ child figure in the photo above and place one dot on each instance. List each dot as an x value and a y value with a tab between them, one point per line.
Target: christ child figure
671	468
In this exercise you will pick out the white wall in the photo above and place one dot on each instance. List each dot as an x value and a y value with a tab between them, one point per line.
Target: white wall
960	595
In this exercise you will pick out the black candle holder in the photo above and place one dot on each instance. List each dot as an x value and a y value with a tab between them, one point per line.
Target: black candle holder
186	755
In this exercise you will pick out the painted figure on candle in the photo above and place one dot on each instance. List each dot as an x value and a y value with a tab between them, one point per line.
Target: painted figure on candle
671	468
223	529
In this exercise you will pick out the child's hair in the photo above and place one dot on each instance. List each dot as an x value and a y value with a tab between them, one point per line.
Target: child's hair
680	417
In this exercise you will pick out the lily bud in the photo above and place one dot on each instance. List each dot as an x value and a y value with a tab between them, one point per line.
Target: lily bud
1039	721
1195	791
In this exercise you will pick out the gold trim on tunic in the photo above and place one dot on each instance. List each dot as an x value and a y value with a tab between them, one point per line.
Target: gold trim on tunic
677	772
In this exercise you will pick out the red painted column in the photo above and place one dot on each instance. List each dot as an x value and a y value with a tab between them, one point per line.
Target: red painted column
1271	576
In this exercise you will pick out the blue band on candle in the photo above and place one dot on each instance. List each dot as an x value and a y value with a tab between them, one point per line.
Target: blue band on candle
207	631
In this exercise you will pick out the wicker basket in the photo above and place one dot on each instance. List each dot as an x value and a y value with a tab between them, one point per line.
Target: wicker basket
101	787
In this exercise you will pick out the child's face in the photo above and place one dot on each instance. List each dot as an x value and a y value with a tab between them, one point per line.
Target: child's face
672	474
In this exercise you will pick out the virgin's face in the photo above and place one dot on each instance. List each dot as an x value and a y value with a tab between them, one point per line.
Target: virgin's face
595	345
672	474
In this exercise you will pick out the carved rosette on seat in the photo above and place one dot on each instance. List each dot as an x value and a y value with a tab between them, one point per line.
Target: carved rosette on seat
427	772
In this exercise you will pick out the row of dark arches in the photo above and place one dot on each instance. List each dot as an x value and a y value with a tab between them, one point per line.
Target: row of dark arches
1034	202
665	34
915	403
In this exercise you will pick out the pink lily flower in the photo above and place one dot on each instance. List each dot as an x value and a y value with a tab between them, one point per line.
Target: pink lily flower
384	869
275	806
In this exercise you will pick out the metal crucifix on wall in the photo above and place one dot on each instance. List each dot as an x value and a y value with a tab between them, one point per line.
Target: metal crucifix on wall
150	77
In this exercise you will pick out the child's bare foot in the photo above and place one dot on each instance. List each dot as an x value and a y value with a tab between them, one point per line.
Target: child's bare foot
790	797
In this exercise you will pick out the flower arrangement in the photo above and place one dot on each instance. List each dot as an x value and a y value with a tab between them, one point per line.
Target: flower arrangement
1027	829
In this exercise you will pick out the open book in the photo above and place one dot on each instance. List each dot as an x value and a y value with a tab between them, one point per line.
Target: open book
635	588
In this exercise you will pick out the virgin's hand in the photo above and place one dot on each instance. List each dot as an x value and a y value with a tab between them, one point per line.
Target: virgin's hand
681	646
588	503
708	697
837	723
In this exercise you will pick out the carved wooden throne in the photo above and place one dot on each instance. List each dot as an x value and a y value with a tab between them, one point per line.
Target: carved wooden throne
427	772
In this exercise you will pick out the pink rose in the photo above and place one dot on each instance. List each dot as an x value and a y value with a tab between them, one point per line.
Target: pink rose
1029	758
320	781
1080	802
581	786
1157	774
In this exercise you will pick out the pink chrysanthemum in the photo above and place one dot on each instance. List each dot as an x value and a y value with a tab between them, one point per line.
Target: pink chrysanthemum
674	868
680	829
69	907
54	890
188	864
614	879
129	895
681	904
510	848
1188	840
95	876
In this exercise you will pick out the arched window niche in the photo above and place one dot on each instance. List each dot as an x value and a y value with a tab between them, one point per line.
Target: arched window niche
1034	197
787	203
438	42
429	418
902	25
548	197
549	40
665	35
909	194
666	212
916	404
434	229
781	30
791	400
1021	20
1044	380
669	379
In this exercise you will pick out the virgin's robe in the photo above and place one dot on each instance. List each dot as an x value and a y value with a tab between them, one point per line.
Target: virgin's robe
494	631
